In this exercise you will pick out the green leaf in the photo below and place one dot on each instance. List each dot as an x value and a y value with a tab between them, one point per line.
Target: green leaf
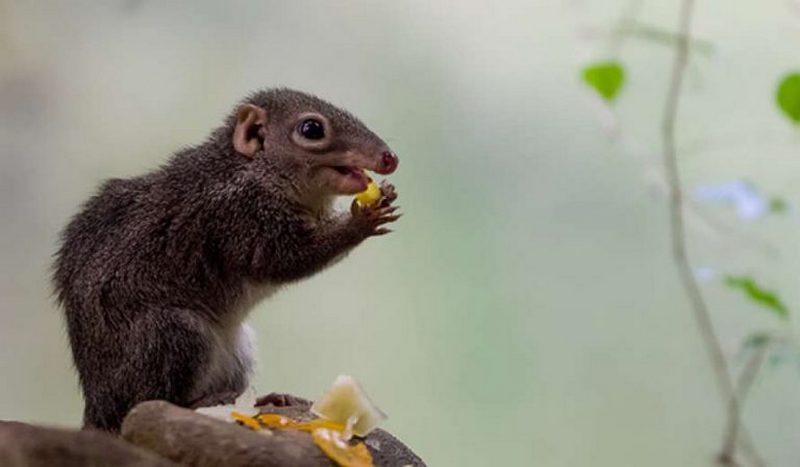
788	96
758	295
778	205
605	77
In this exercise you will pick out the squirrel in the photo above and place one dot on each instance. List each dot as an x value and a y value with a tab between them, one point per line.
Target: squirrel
157	273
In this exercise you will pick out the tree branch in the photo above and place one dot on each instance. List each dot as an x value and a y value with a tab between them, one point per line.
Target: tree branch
678	236
743	384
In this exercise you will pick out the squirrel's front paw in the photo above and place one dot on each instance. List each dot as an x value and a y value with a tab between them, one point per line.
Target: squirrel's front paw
369	219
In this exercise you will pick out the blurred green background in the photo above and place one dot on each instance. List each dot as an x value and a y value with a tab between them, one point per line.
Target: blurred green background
526	311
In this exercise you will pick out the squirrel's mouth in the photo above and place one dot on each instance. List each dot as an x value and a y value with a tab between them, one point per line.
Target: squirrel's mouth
350	179
346	169
346	172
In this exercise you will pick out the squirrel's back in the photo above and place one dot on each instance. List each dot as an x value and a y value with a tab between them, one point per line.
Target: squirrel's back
90	231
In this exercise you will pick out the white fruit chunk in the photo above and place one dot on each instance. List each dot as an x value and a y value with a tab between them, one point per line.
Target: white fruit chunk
345	402
245	404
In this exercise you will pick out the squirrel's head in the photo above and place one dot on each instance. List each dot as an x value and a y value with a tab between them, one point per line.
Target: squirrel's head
317	146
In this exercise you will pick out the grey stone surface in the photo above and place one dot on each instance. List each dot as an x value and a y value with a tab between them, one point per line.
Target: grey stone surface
193	439
157	433
24	445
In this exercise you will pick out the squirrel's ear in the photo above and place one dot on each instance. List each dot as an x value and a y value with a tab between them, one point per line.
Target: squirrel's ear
248	136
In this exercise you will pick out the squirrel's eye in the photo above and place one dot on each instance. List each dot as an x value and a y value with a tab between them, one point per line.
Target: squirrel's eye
311	129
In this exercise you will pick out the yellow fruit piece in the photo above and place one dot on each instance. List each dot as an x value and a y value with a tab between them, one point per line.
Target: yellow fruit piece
249	422
271	420
345	402
327	435
369	196
333	444
319	423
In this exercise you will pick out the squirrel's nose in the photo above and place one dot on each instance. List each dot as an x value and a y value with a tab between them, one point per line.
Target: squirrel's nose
389	162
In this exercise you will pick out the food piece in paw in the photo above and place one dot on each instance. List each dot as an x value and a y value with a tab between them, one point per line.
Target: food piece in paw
369	196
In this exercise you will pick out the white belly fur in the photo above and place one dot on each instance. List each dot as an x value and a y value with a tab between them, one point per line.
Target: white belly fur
232	359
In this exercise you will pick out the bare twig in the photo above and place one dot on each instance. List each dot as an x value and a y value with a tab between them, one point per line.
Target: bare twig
743	384
628	17
660	36
702	316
